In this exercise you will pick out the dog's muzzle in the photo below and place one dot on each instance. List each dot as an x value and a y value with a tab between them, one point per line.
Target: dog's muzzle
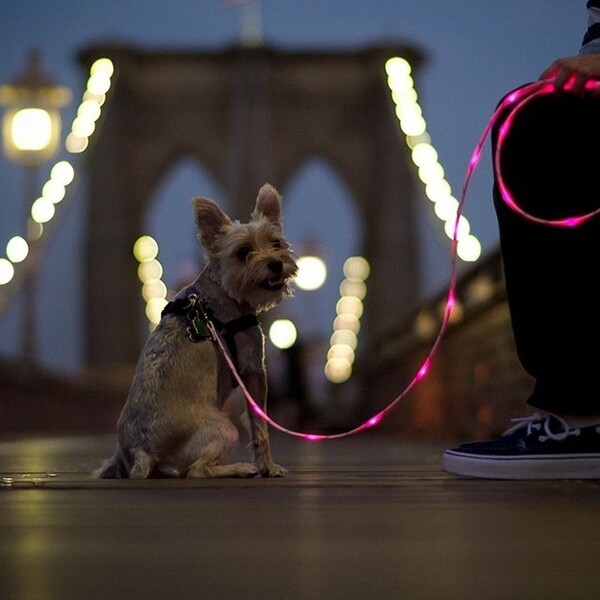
276	282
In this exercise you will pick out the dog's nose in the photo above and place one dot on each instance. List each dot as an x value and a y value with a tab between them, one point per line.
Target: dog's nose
276	266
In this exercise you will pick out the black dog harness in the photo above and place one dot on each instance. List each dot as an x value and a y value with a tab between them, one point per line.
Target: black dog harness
197	314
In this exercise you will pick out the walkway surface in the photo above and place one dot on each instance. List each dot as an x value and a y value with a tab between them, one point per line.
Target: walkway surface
366	517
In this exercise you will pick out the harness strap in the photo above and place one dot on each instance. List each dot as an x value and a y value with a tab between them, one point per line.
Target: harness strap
197	314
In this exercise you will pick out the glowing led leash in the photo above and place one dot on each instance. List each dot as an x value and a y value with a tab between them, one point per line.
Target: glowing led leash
518	99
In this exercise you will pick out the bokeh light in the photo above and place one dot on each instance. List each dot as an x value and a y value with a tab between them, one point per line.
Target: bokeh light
17	249
283	333
312	273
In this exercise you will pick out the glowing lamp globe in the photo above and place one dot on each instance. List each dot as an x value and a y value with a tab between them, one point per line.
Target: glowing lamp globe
31	123
283	334
312	273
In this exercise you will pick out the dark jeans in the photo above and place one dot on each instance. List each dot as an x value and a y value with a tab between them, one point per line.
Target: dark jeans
551	162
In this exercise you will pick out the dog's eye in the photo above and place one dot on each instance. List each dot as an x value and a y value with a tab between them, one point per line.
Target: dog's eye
243	252
277	244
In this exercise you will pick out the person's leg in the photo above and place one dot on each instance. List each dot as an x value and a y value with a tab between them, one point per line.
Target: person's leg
550	161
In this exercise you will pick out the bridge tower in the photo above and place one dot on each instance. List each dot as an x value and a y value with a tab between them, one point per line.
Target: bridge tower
248	115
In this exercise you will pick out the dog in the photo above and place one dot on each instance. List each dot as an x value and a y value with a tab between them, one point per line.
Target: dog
172	424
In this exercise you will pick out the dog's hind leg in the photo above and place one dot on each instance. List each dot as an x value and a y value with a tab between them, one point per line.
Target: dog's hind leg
215	440
143	464
114	468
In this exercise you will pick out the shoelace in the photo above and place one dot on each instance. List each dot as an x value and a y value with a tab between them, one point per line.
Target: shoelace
537	420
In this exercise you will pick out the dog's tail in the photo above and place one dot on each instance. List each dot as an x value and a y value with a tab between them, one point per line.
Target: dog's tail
114	467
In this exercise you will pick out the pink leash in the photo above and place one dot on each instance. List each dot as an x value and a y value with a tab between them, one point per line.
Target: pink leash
518	99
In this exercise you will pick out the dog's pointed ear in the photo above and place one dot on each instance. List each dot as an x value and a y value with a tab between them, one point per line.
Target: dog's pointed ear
268	205
211	221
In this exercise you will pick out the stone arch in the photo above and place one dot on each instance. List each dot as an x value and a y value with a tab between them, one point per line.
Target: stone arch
169	219
313	218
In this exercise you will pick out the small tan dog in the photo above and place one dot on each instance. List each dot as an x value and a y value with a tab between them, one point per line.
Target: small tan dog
172	424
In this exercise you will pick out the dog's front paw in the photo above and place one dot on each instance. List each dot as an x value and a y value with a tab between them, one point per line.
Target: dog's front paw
273	470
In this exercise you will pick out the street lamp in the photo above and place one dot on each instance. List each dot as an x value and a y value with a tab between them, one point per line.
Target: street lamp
31	127
31	124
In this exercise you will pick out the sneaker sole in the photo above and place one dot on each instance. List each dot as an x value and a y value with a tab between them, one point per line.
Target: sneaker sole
573	466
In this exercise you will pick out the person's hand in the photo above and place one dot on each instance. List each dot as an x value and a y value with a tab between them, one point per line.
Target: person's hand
574	72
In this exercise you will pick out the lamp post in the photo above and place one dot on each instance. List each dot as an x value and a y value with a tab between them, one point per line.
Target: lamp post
31	127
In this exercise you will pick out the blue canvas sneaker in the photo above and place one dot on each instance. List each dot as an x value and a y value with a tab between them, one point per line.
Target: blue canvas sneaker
541	446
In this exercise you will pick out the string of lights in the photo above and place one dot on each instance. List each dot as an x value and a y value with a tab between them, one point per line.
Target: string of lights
44	208
425	157
150	272
343	343
346	325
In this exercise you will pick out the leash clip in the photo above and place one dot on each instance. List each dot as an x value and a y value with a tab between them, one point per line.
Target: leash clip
197	316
